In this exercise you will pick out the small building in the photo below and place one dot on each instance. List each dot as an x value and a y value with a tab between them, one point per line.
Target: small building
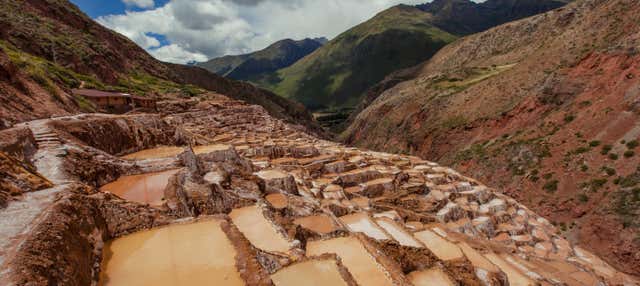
115	101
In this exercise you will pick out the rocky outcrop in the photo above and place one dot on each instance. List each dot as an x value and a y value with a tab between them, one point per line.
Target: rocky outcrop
117	135
17	177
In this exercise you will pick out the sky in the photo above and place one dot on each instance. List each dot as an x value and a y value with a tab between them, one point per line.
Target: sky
183	31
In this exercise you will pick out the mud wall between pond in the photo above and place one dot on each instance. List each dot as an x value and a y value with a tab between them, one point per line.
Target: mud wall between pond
118	135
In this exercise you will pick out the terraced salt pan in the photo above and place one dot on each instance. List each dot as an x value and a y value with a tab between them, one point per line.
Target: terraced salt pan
318	223
155	153
210	148
272	174
398	233
361	222
516	278
145	188
431	277
441	247
310	273
360	263
259	230
184	254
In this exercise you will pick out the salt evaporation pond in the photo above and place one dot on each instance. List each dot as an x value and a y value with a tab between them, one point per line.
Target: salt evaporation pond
144	188
181	254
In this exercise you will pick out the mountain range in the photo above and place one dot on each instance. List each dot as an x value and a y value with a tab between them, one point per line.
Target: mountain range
337	75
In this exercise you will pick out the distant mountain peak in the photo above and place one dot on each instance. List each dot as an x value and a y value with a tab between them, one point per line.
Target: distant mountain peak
280	54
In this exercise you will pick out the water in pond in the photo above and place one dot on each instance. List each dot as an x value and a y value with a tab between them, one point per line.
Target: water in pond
397	232
317	223
361	222
145	188
431	277
155	153
259	230
278	201
310	273
361	264
183	254
441	247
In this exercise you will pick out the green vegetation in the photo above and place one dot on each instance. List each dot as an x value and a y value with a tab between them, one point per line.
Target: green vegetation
606	149
627	200
569	117
551	186
613	156
632	144
583	198
629	154
594	185
610	171
337	74
594	143
50	76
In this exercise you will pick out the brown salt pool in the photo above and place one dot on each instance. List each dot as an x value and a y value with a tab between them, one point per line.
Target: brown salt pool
183	254
361	264
317	223
310	273
155	153
431	277
361	222
259	230
145	188
278	201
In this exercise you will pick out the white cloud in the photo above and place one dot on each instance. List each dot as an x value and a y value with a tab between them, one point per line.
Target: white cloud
200	29
176	54
139	3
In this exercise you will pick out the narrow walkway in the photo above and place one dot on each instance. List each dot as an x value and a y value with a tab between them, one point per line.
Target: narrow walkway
50	150
21	215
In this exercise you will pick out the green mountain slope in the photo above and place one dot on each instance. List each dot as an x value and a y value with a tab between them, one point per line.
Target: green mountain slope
336	74
276	56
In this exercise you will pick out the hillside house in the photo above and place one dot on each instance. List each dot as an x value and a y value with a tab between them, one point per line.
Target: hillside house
115	101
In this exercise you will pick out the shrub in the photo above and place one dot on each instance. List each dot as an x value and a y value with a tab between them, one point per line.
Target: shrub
594	143
613	156
583	198
610	171
569	117
606	149
584	168
547	176
632	144
551	186
629	154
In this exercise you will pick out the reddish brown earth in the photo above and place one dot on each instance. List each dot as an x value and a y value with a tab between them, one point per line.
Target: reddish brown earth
529	107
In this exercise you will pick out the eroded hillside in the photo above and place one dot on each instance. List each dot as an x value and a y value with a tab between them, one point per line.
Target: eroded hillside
545	107
217	191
